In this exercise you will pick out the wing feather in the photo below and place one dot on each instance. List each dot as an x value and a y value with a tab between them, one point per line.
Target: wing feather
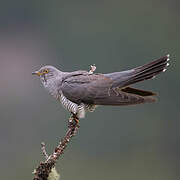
85	88
97	89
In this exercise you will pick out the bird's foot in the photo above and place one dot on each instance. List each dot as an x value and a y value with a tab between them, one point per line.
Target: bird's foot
74	120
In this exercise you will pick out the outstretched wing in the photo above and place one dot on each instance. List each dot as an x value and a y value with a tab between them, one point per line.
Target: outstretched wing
97	89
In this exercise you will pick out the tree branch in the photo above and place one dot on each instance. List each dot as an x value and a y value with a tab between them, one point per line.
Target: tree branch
43	148
44	169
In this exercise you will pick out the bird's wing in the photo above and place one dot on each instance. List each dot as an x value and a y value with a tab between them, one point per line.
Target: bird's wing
97	89
86	87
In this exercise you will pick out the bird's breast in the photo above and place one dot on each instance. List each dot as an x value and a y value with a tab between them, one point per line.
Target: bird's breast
52	87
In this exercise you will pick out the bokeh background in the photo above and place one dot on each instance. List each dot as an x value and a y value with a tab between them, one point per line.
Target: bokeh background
135	142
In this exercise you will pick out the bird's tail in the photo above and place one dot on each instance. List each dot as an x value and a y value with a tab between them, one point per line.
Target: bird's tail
141	73
149	71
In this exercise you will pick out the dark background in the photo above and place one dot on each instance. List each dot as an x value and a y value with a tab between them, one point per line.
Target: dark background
137	142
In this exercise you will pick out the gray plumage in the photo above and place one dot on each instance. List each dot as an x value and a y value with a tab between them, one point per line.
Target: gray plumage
81	91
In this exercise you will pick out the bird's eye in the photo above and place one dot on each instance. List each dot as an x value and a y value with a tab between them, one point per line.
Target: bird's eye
45	71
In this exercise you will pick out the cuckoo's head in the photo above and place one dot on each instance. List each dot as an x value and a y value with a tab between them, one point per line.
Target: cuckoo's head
46	73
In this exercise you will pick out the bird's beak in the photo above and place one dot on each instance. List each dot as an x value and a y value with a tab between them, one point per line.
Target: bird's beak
36	73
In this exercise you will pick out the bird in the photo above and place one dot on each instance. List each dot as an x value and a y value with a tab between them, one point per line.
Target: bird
82	91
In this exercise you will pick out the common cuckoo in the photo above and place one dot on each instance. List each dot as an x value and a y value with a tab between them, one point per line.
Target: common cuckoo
81	91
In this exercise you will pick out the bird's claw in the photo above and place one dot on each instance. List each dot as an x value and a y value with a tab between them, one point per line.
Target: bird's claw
74	119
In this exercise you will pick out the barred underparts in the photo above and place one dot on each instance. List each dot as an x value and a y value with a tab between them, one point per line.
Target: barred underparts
80	110
69	105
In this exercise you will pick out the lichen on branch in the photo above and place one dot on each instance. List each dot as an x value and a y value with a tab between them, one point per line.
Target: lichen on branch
46	170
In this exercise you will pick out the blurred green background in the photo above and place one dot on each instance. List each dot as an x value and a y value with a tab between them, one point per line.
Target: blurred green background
136	142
